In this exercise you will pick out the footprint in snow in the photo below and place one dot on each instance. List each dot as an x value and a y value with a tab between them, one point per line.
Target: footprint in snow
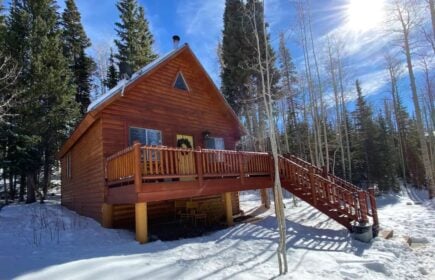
378	267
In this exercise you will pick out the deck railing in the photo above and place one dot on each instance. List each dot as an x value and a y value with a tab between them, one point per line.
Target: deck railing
161	162
140	164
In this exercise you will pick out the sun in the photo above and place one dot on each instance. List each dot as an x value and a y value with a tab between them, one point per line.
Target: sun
364	15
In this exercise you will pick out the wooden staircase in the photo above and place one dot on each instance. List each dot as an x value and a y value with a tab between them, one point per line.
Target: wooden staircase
340	200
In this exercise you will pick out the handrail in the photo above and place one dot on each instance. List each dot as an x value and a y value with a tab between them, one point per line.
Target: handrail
320	171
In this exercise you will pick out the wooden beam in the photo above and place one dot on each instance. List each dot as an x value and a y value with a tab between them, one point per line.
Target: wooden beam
141	217
178	190
228	208
107	213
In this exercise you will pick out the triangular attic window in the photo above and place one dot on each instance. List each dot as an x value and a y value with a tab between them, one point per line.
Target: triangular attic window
180	83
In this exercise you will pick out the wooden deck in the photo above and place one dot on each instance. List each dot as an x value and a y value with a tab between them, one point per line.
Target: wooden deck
144	174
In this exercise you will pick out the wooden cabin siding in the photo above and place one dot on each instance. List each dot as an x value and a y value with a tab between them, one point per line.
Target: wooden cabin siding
154	103
83	192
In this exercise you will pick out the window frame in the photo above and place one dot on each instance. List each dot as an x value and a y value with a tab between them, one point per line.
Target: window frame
217	157
130	142
179	73
214	142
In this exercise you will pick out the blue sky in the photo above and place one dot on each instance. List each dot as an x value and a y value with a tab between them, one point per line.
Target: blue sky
199	23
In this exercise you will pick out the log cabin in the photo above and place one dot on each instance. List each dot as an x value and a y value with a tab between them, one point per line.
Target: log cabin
161	145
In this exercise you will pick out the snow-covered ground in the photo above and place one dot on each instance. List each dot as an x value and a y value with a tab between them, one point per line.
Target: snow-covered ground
51	242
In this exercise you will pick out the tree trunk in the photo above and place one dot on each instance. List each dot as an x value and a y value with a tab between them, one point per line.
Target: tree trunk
423	145
30	185
337	111
392	70
432	16
45	180
285	124
324	160
22	187
344	118
5	188
263	69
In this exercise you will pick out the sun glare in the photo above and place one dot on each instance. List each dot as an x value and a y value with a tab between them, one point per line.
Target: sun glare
363	15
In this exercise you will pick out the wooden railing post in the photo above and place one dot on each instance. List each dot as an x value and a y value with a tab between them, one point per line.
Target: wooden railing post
199	169
362	206
313	184
241	168
137	166
374	211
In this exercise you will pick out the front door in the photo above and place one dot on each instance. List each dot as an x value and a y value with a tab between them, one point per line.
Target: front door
185	141
186	161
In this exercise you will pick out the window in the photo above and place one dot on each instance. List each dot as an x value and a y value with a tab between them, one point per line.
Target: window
180	82
145	136
68	166
215	143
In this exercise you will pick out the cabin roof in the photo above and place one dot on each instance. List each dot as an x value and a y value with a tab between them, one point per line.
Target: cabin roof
124	83
105	99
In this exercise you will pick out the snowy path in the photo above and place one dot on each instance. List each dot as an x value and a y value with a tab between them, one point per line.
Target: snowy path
50	242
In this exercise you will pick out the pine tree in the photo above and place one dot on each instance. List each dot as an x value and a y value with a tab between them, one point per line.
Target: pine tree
363	139
256	7
47	109
414	161
135	41
241	84
234	73
289	78
2	24
75	44
384	158
112	76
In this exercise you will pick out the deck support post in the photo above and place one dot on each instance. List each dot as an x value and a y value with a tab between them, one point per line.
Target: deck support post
107	215
265	200
141	218
229	208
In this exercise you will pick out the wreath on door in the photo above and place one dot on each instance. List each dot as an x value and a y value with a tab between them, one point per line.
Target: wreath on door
184	143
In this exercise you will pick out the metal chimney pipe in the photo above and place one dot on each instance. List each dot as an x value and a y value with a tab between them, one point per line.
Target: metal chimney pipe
176	41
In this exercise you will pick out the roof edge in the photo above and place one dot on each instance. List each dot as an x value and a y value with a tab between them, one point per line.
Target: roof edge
83	126
123	84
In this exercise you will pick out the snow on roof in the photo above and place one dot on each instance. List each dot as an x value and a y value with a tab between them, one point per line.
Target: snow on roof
124	83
